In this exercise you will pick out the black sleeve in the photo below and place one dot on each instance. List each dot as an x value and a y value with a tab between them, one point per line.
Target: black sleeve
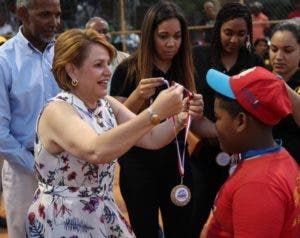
201	59
118	85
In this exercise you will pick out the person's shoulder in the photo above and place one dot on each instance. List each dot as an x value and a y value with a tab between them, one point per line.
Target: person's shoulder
8	51
122	54
295	79
8	45
297	74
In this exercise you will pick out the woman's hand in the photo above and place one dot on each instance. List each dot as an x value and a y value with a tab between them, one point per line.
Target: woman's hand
169	102
146	87
194	105
191	106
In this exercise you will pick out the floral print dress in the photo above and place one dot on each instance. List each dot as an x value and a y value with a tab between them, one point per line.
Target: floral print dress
74	197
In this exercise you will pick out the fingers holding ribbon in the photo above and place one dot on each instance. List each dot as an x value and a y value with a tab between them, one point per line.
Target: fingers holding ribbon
196	106
147	87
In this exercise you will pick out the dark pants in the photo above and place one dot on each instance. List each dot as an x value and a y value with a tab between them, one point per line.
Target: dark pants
146	185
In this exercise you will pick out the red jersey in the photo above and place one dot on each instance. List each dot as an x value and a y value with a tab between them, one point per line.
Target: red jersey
261	199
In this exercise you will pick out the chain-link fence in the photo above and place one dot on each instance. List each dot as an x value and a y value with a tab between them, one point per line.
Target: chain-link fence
125	16
273	10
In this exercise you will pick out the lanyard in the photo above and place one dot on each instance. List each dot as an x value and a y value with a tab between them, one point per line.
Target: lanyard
181	157
251	154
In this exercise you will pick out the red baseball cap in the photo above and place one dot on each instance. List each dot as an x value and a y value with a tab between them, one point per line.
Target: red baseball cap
258	91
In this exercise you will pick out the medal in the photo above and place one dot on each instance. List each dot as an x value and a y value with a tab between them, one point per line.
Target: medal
180	195
223	159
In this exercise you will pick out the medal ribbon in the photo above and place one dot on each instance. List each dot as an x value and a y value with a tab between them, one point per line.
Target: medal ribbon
181	158
251	154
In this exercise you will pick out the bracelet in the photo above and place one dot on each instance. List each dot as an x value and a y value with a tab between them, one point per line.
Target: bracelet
154	118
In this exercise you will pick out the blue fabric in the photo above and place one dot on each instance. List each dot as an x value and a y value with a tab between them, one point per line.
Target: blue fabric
257	153
219	82
26	83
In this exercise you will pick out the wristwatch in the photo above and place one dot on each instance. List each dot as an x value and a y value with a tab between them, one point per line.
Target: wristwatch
154	118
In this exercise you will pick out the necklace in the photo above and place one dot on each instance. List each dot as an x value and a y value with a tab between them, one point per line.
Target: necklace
97	114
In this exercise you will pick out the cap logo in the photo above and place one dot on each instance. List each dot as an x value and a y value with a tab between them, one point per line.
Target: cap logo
243	73
250	97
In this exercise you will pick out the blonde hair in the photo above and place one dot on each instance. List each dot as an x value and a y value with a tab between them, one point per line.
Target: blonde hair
73	46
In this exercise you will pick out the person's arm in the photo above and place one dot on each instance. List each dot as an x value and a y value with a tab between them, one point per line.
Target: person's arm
295	99
160	135
87	145
145	89
10	148
133	96
258	214
204	128
201	126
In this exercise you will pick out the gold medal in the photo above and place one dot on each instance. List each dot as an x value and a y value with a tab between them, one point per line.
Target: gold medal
180	195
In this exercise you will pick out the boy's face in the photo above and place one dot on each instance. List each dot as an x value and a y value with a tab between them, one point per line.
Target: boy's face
226	129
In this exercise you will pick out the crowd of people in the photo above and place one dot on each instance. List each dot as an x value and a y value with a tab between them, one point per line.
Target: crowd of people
72	106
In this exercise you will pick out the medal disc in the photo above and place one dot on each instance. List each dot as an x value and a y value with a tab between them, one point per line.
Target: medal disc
223	159
180	195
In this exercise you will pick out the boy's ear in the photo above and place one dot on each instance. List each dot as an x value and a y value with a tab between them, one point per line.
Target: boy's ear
241	122
23	14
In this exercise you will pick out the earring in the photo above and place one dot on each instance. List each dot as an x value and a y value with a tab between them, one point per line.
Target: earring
74	82
248	43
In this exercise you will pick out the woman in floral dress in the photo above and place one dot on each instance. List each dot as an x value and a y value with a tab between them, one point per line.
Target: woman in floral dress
78	141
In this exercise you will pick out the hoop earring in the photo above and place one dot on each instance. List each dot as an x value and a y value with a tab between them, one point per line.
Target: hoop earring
74	82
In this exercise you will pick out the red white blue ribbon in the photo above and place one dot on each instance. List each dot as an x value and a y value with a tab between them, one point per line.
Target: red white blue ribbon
181	157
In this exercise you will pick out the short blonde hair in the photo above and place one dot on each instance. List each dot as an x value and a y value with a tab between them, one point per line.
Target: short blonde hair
73	46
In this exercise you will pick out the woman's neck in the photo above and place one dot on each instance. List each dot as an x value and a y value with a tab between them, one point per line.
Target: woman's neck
163	65
229	59
287	76
88	101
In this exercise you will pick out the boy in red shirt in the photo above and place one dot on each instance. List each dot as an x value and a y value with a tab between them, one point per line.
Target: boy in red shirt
261	198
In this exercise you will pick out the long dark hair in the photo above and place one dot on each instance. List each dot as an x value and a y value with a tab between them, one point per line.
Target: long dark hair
229	12
142	61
